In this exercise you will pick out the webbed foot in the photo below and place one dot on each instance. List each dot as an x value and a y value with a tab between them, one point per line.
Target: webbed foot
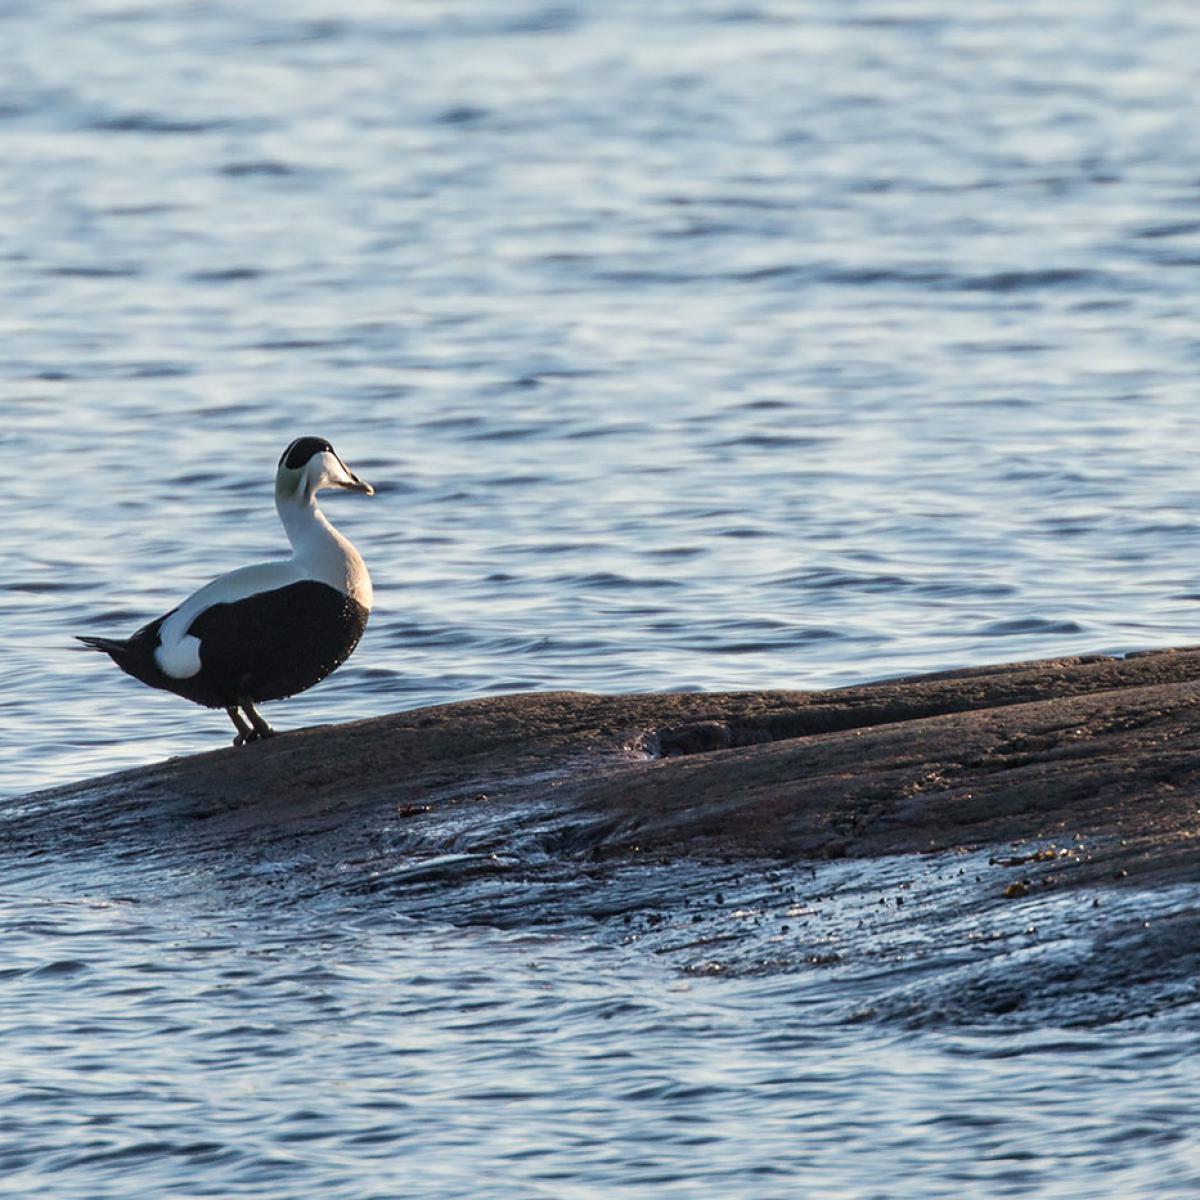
244	731
254	730
261	728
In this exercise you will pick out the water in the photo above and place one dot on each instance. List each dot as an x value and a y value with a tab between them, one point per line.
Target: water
704	345
218	1037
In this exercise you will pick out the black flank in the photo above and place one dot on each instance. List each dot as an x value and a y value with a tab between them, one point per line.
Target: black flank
264	647
272	645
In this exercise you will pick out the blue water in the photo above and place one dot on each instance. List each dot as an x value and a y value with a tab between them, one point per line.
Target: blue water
691	345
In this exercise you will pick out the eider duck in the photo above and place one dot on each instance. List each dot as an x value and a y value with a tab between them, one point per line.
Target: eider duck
270	630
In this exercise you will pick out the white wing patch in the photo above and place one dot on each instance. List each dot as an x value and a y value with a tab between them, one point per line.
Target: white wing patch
180	660
178	652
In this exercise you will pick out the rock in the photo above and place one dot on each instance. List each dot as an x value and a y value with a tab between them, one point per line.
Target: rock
698	826
1088	747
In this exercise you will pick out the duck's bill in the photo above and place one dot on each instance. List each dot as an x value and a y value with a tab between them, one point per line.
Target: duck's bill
349	480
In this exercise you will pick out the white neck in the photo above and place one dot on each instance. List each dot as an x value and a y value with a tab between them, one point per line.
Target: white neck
318	549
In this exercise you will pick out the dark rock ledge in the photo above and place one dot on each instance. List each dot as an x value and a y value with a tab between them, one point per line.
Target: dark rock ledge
1092	750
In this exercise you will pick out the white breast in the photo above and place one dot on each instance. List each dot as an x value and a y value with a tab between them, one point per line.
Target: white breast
321	553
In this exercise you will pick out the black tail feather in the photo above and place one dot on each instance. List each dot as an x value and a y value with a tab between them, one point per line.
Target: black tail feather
134	655
110	646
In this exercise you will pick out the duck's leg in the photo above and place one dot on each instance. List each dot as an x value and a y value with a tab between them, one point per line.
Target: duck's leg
261	728
244	732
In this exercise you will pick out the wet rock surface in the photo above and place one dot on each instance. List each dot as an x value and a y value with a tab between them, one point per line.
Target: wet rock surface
1092	746
1046	810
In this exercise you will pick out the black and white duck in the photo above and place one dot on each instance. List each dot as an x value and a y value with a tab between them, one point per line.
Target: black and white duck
269	630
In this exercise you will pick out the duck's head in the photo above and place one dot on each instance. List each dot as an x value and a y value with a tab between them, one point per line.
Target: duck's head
309	464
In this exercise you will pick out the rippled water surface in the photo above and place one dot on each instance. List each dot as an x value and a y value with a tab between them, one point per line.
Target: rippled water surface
246	1037
690	345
